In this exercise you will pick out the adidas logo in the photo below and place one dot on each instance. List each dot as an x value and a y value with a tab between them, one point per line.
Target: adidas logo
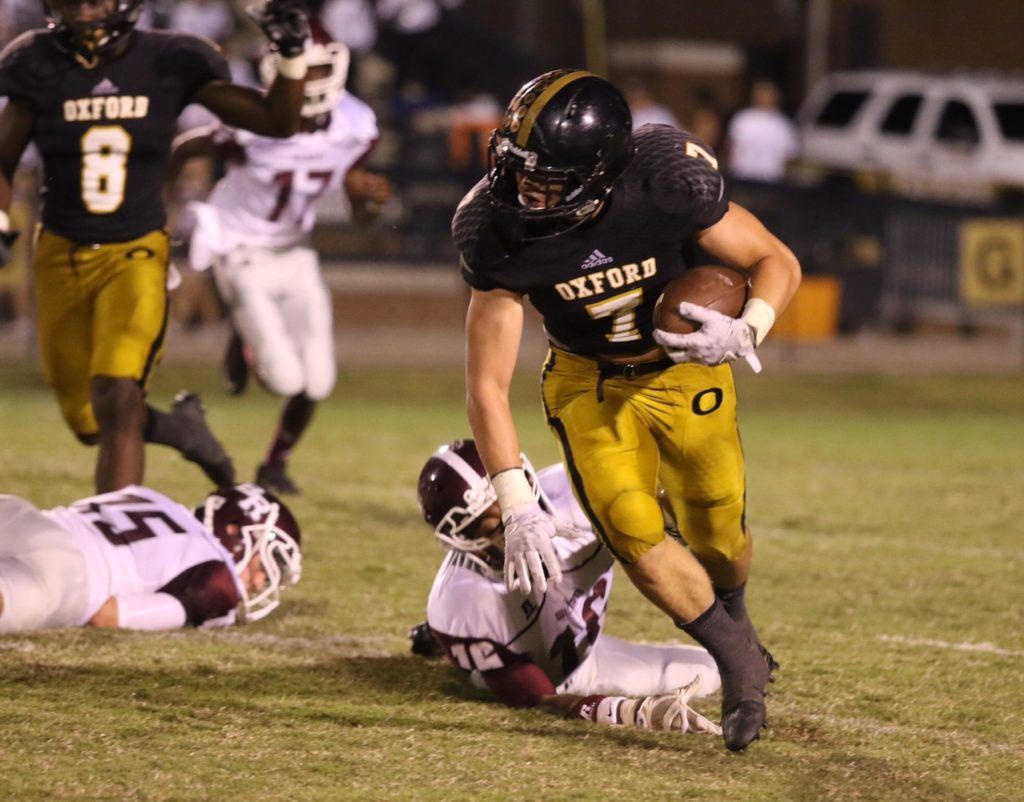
596	258
105	87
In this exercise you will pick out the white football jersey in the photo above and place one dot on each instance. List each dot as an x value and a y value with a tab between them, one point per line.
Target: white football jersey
483	626
269	200
136	540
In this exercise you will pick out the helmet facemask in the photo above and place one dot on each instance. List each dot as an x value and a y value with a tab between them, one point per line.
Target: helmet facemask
454	530
88	40
279	553
325	83
572	194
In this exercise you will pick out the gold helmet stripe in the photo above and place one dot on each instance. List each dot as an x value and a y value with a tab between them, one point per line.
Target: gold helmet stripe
531	116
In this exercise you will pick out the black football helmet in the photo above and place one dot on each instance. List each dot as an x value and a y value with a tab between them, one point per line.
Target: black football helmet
569	131
454	492
86	41
248	520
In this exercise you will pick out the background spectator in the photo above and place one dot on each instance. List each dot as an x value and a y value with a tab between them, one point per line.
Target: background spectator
761	138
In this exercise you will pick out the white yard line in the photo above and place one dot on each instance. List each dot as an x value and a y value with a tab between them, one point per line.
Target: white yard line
367	646
887	543
961	738
985	648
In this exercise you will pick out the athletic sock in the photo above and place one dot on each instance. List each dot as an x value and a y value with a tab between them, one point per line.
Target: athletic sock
166	429
297	413
735	605
735	651
734	602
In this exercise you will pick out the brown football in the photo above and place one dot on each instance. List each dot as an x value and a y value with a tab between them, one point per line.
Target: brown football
723	289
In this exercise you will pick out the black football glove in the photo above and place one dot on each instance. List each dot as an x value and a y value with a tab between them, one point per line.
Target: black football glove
286	25
7	239
423	641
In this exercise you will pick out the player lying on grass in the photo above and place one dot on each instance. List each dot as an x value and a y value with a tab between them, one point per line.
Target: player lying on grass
547	650
135	559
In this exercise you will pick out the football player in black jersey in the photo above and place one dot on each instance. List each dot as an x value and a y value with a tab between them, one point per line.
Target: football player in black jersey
591	223
100	100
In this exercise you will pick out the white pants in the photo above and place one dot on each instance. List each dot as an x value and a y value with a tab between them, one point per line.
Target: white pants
617	667
44	582
282	308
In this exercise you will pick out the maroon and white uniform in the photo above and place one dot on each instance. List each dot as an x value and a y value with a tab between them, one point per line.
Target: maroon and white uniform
59	566
254	231
524	648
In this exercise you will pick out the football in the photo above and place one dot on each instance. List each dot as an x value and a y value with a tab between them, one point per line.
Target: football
723	289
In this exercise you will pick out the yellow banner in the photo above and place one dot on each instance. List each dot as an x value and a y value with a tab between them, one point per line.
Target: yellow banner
992	262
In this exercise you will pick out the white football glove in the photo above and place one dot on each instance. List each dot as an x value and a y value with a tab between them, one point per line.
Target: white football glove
669	712
528	548
719	339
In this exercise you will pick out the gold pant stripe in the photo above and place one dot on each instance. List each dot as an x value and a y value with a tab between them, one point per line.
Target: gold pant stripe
523	136
570	465
157	348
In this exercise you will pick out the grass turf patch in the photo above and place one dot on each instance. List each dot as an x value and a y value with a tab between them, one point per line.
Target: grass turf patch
887	580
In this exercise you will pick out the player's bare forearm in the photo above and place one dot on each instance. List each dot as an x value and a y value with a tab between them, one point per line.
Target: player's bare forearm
366	192
494	327
193	144
106	616
275	113
6	193
739	239
16	124
560	705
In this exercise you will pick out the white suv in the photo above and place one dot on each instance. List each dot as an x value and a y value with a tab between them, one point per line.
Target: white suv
957	136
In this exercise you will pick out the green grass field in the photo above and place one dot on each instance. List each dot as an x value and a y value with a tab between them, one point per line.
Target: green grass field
888	580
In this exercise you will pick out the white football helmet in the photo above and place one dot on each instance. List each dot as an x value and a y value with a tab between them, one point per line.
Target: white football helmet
248	520
322	91
454	491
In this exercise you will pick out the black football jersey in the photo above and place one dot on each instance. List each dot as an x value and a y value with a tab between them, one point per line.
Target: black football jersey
105	133
596	285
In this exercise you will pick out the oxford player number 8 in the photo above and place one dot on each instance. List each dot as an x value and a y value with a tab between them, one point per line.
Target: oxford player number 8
105	151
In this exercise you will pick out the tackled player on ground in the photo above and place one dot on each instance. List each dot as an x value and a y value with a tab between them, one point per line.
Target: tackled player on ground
548	651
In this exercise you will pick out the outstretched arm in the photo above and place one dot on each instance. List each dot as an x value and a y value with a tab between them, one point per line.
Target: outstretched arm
276	113
525	685
147	611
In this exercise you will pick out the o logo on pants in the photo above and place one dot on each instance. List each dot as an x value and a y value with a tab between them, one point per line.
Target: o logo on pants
702	405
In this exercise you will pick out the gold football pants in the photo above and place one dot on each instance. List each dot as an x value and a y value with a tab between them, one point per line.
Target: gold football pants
102	311
621	436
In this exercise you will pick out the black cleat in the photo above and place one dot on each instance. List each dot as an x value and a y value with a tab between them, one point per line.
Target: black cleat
742	725
423	641
773	664
204	449
276	480
235	369
744	682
